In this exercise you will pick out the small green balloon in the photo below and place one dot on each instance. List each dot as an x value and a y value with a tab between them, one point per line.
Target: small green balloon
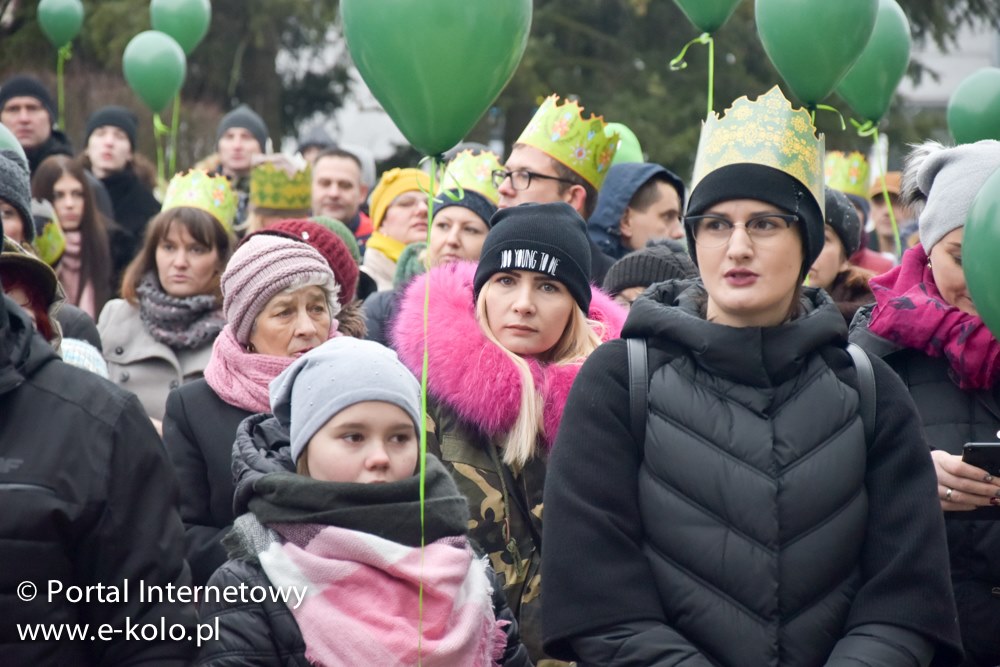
9	142
629	149
980	248
155	67
708	15
813	43
60	20
974	107
869	86
186	21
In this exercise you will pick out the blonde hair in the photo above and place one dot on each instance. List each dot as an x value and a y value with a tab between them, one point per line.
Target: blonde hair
579	339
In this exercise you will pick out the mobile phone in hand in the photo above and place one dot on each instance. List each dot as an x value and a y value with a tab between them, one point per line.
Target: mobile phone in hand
985	455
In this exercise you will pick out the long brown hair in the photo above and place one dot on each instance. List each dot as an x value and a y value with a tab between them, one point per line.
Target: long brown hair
95	252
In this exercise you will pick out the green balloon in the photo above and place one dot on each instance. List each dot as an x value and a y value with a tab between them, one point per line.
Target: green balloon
9	142
869	86
435	67
60	20
629	149
155	67
813	43
186	21
980	248
708	15
974	107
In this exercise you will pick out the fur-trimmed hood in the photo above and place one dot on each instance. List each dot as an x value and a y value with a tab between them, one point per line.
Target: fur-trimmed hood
467	372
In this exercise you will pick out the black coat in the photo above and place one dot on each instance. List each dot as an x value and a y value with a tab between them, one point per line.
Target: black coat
380	310
88	498
134	205
198	430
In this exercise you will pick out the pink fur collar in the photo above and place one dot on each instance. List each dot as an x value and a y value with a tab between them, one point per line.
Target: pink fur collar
467	372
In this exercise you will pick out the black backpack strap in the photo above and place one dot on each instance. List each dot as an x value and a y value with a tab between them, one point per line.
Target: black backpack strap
866	389
638	386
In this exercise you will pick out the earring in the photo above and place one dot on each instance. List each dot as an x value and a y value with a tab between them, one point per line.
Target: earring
251	348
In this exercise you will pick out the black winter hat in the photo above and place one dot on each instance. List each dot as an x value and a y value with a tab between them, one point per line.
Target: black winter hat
658	261
473	201
114	116
27	86
843	217
245	117
544	238
15	189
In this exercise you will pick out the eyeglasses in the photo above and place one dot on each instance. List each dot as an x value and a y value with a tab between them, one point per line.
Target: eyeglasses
521	179
713	231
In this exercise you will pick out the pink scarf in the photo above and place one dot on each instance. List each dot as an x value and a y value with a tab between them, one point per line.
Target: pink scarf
910	311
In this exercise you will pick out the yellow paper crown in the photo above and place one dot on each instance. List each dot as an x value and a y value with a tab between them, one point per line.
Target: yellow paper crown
473	171
560	131
768	132
281	185
210	193
848	173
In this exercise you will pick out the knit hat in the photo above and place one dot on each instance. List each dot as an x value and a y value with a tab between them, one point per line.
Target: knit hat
15	189
27	86
843	217
658	261
392	184
245	117
263	266
82	354
473	201
114	116
545	238
339	373
343	232
328	244
950	179
316	137
410	263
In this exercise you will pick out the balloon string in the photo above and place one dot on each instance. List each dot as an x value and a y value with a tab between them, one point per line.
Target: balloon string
159	131
827	107
866	129
65	53
175	121
678	63
888	202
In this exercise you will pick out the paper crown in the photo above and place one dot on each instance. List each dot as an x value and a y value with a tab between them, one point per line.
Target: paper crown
560	131
281	185
472	171
767	132
848	173
198	189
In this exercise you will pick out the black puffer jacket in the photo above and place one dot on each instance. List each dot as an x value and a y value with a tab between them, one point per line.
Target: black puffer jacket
952	417
134	206
88	499
267	633
753	526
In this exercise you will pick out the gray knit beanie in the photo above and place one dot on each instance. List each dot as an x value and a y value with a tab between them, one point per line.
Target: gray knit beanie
245	117
657	262
15	189
336	375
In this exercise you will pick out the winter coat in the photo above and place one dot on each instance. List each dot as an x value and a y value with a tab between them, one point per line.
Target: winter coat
88	499
380	268
134	206
474	391
952	417
380	310
850	291
57	144
753	525
266	633
198	433
140	363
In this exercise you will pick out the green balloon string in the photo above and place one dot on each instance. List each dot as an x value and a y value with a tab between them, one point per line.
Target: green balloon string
866	129
678	63
65	53
159	131
175	121
888	202
827	107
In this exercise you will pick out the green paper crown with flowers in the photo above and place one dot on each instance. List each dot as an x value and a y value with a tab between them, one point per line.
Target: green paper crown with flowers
473	171
768	132
281	186
848	173
560	131
210	193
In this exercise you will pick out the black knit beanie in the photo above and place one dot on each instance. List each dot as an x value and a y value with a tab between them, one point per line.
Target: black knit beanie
545	238
473	201
27	86
843	217
658	261
114	116
245	117
15	189
767	184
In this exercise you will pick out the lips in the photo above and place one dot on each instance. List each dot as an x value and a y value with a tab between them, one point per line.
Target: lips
520	329
740	277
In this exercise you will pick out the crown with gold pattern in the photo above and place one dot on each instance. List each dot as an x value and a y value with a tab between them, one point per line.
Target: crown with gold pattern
560	131
210	193
848	173
767	132
473	171
281	183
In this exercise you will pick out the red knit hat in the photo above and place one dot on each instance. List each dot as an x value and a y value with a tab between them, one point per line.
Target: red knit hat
337	255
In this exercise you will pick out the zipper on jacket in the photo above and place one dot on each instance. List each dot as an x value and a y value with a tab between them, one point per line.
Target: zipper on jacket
16	486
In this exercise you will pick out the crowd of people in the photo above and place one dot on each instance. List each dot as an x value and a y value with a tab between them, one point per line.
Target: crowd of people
732	407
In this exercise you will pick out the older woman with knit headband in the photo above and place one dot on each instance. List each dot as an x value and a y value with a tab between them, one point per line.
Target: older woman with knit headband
399	216
280	301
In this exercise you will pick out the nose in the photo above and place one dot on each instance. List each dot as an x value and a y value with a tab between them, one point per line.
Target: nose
506	187
524	303
420	210
378	457
181	258
451	237
304	325
740	244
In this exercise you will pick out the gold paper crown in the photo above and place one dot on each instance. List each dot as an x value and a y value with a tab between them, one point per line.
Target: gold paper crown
470	171
848	173
768	132
560	131
210	193
281	185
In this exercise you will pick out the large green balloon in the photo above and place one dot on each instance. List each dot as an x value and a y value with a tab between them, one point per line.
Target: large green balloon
708	15
185	20
813	43
980	249
60	20
155	67
629	149
974	107
436	66
9	142
869	86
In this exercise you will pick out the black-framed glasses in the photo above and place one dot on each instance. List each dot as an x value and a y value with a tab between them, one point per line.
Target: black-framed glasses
521	179
712	231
